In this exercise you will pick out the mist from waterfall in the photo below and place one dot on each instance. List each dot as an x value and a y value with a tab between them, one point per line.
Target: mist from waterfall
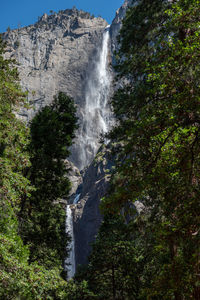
97	111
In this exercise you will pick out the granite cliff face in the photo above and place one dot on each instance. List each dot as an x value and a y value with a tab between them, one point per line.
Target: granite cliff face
87	217
56	54
117	23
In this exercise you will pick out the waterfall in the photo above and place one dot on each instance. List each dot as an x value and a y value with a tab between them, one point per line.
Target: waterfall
97	111
70	260
97	120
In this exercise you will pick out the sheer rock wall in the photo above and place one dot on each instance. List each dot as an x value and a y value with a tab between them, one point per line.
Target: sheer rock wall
54	55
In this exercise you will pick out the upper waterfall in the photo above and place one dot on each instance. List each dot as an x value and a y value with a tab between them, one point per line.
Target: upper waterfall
97	117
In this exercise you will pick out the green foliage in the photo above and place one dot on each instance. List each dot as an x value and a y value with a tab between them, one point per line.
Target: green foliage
114	268
19	280
43	215
158	140
14	158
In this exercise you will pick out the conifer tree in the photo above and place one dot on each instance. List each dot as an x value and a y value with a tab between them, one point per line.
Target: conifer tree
111	271
43	215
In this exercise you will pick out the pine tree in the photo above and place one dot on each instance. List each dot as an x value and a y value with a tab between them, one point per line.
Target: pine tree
113	271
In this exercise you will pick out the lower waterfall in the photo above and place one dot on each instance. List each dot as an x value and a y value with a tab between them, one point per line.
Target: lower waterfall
70	260
97	121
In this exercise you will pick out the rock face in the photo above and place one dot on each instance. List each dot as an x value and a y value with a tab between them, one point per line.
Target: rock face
74	176
117	23
87	217
54	55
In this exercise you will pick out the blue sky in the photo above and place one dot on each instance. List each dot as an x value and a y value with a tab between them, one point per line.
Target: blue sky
15	13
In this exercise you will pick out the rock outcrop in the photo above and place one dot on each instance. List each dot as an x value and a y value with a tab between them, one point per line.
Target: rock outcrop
75	178
117	23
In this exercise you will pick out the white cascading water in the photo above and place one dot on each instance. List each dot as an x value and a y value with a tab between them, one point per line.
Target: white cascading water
70	260
98	115
96	122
